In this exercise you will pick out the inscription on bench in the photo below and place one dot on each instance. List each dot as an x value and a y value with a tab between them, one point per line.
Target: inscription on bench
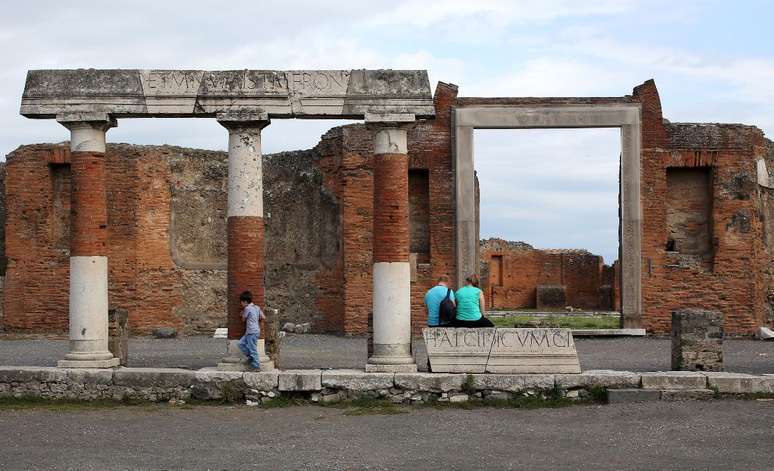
497	350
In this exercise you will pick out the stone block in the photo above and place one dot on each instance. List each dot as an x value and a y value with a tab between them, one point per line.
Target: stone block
90	376
383	368
118	334
687	395
609	379
501	350
513	383
551	296
31	374
623	396
740	383
430	382
357	380
300	380
697	340
262	381
673	380
154	377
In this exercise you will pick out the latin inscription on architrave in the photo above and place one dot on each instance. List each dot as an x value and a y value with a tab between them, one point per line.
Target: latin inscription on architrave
245	82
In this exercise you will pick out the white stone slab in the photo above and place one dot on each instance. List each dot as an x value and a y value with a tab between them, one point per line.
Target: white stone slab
674	380
506	350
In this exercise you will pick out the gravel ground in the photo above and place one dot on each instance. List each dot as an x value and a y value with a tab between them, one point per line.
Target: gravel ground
691	435
326	351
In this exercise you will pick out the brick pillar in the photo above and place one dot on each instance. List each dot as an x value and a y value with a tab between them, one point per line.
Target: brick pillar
88	244
392	270
244	228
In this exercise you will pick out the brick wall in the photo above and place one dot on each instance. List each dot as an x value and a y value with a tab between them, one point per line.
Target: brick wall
722	265
515	269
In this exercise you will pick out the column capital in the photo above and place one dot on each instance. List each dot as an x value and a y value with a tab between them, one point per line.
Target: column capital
389	119
243	119
96	120
87	130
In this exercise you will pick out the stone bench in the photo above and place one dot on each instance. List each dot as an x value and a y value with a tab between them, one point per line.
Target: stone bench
501	350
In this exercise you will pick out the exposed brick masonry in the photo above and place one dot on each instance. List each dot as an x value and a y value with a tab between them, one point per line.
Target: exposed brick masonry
88	208
245	268
391	212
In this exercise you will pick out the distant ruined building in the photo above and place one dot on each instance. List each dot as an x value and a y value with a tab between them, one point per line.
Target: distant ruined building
705	211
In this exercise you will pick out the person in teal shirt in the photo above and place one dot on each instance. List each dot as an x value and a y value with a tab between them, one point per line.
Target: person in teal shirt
433	299
471	305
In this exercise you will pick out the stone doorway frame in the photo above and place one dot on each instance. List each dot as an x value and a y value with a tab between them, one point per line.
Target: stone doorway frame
626	116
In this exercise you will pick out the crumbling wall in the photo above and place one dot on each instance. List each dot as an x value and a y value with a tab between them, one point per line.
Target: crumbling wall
723	266
166	218
515	269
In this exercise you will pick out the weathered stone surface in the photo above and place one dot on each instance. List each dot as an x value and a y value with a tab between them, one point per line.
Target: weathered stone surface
501	350
357	380
300	380
165	333
673	380
687	395
262	381
90	376
697	340
25	374
621	396
118	334
430	382
513	383
157	377
739	383
599	379
188	93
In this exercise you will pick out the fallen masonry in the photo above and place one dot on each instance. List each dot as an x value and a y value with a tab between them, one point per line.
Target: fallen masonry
210	384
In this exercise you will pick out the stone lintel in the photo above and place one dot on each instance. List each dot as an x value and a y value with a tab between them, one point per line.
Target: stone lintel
200	93
389	119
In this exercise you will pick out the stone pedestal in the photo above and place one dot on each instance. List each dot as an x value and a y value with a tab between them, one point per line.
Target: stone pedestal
118	334
88	244
235	360
392	270
697	340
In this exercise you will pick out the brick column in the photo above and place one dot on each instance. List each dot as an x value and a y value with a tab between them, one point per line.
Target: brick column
88	244
392	271
244	228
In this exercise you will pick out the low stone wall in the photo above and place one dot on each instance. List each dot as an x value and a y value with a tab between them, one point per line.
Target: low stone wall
170	384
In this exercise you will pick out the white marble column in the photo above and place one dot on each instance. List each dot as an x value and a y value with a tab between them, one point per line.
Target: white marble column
88	244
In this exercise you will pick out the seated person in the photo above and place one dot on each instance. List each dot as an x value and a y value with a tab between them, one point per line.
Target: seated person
433	299
470	305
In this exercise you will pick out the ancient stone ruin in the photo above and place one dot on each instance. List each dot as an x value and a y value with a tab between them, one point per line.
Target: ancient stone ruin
373	214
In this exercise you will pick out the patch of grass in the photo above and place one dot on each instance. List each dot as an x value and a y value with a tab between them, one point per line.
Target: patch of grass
558	321
469	385
368	406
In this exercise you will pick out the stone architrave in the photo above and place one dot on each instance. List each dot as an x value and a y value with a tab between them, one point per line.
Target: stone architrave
201	93
501	350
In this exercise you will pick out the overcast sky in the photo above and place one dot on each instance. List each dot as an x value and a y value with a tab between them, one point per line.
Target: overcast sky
713	61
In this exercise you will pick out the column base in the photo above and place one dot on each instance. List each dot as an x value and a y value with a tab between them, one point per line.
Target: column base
235	359
108	363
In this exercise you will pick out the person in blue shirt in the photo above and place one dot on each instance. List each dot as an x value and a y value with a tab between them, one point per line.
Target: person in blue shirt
252	315
433	299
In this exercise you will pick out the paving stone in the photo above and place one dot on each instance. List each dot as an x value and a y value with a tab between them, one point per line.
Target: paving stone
599	378
621	396
513	383
262	381
300	380
674	380
356	380
687	395
739	383
150	377
430	382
